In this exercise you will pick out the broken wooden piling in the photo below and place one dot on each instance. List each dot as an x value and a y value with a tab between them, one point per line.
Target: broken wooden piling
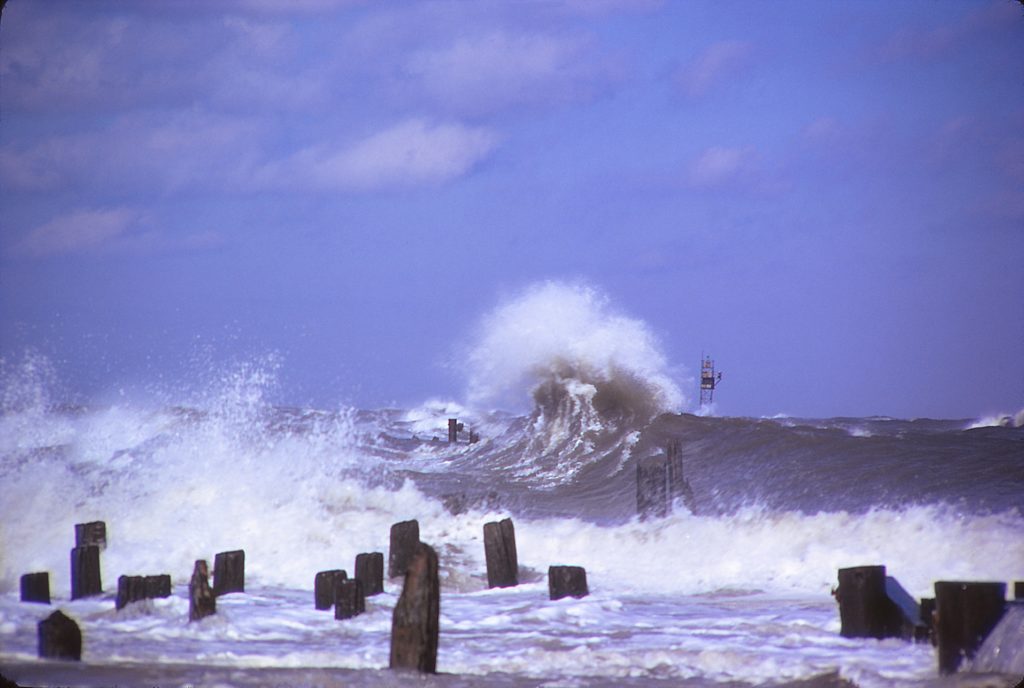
323	587
349	600
415	623
158	586
35	587
229	572
370	572
405	538
865	609
59	637
202	601
567	581
500	552
660	482
130	589
86	580
965	613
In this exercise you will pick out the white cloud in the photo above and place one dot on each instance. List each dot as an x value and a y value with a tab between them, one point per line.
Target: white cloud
78	231
497	69
412	153
716	63
718	165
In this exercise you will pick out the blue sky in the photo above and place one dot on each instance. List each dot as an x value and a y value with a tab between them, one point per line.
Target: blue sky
828	197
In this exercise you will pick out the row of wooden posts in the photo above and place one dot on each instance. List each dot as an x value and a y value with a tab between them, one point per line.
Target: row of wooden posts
414	630
957	620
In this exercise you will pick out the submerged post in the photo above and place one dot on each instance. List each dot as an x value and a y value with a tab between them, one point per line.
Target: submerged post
202	602
660	482
415	624
370	572
35	587
130	589
158	586
500	552
405	537
965	614
453	429
567	581
229	572
349	599
324	585
85	572
865	610
59	637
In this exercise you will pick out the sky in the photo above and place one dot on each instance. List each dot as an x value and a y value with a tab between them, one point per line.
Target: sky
826	197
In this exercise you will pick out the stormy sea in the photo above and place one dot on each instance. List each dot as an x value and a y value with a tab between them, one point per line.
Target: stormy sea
731	587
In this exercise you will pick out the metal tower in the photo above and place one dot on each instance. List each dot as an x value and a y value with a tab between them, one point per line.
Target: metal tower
708	380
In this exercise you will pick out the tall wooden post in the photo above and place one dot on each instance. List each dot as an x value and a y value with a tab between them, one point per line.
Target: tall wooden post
500	552
405	537
965	614
85	572
415	624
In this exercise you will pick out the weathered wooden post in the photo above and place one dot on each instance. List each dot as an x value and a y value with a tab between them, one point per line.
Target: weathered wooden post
500	552
453	429
415	624
323	587
370	572
1018	590
35	587
229	572
92	533
59	637
567	581
158	586
130	589
965	613
660	481
202	601
85	572
865	609
349	599
405	536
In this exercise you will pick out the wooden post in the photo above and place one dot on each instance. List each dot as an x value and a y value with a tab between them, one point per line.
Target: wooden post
1018	590
202	602
323	587
158	586
85	572
229	572
965	614
415	624
865	609
500	552
370	572
35	587
92	533
130	589
567	581
660	482
405	536
349	599
453	429
59	638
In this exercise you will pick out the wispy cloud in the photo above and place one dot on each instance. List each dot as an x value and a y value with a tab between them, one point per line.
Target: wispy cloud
412	153
78	231
713	65
493	70
719	166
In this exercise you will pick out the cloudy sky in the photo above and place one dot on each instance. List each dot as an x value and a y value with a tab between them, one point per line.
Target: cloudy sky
828	197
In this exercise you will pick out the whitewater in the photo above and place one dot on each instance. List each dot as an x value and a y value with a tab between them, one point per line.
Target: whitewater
736	592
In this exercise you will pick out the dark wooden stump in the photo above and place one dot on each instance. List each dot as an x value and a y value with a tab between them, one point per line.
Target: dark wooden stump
229	572
130	589
370	572
158	586
500	552
965	613
415	624
201	600
85	572
927	621
59	638
323	587
405	537
92	533
567	581
1018	590
35	587
349	599
865	610
660	483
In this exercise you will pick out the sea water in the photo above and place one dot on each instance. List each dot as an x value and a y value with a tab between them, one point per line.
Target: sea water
736	592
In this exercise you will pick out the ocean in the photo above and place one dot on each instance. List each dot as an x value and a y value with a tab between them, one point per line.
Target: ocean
736	591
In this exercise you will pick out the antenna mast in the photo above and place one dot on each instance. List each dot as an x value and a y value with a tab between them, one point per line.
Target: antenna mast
708	380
